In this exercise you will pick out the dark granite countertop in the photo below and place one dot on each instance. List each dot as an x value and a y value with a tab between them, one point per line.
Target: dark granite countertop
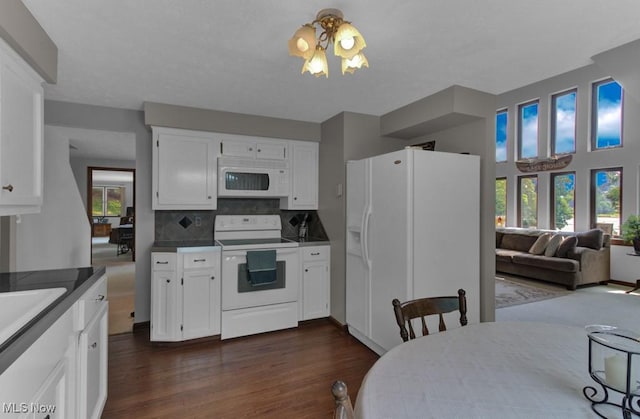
174	245
76	281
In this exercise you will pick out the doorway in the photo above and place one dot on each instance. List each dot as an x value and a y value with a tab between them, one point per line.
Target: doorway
111	212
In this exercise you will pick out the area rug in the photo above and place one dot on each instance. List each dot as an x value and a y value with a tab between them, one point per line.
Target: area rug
509	293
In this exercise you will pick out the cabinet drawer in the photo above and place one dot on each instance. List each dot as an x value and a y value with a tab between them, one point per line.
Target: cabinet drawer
201	260
89	304
163	261
315	253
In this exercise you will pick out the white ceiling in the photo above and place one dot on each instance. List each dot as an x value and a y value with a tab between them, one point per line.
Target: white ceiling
232	55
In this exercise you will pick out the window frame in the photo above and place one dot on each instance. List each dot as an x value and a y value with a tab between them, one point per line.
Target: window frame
553	121
105	200
594	114
521	106
593	218
506	204
519	203
506	127
552	187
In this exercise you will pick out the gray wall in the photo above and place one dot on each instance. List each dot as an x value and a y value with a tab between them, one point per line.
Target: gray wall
121	120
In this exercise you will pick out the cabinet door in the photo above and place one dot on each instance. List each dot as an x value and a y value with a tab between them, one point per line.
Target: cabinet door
21	133
315	283
201	304
92	369
165	322
185	172
239	148
50	402
304	176
271	150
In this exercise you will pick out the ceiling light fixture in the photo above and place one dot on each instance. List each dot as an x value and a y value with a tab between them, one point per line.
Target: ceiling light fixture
347	41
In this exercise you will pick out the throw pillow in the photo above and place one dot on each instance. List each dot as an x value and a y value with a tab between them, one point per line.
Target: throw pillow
553	245
539	245
592	238
566	245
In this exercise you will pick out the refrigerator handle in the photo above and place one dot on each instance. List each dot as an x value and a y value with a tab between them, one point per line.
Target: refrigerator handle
365	237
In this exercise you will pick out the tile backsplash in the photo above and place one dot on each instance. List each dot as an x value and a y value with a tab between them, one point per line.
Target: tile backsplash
198	225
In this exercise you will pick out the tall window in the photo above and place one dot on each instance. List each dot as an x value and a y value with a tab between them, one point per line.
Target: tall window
606	198
528	201
606	115
528	130
501	202
106	201
501	136
563	122
563	210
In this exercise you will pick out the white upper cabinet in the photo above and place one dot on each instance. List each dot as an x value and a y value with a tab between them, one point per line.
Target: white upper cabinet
253	148
21	134
304	176
184	169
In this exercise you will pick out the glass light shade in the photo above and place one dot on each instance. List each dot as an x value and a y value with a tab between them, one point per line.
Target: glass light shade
348	41
349	65
317	64
303	42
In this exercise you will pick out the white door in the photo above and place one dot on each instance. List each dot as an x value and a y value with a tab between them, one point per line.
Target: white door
315	277
388	243
357	278
165	322
199	304
304	176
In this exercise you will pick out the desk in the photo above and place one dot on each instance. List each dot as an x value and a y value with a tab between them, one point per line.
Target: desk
486	370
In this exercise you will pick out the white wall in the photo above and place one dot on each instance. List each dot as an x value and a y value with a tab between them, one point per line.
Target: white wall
60	235
583	160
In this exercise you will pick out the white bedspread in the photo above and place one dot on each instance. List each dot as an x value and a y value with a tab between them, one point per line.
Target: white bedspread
488	370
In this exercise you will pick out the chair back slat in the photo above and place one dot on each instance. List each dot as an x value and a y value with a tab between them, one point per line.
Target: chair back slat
423	307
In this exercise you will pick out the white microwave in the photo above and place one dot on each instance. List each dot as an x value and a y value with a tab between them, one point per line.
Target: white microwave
251	178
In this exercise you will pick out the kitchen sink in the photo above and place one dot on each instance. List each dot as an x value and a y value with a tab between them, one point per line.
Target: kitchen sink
19	307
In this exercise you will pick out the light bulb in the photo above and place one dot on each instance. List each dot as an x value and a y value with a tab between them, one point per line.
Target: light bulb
302	45
347	43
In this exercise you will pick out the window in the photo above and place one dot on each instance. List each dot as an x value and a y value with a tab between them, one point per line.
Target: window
528	130
563	210
501	136
606	115
501	202
606	198
106	201
528	201
563	122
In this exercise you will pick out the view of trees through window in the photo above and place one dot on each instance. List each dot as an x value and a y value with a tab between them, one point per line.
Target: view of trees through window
563	201
606	197
106	201
528	202
501	202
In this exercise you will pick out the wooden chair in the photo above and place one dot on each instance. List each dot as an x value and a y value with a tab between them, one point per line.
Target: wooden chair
343	409
423	307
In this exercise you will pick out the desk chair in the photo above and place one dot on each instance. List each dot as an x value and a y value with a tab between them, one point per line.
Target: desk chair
422	307
343	409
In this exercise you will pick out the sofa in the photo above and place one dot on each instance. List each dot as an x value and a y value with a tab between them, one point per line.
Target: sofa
566	258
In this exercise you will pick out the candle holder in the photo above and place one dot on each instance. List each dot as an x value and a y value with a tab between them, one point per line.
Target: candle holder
614	363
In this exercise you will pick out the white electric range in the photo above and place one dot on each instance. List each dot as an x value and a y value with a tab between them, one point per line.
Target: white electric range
249	309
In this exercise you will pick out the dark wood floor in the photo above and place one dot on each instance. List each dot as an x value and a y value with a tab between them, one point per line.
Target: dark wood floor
282	374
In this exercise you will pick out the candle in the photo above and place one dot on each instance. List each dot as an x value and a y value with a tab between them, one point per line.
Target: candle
615	372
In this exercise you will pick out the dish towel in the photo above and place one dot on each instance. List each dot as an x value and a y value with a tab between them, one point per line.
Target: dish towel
261	267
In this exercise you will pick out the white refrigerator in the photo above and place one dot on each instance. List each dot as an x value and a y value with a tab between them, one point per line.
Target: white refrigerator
413	230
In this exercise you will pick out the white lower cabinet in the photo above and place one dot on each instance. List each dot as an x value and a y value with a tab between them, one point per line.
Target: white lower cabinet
185	289
63	374
315	289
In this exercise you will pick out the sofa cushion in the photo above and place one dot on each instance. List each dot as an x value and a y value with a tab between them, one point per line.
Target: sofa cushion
515	241
553	245
566	245
556	264
592	239
505	255
540	244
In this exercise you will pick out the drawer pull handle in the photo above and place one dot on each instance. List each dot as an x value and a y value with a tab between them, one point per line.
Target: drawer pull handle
168	280
315	254
166	262
94	345
100	298
213	277
199	260
9	188
306	270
